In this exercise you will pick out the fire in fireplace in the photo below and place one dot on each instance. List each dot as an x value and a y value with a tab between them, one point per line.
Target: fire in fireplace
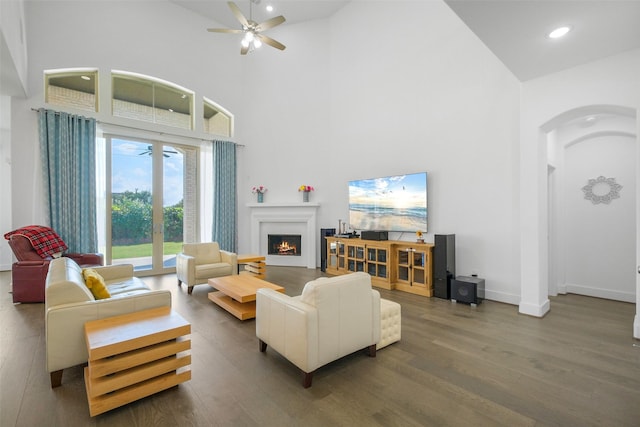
284	244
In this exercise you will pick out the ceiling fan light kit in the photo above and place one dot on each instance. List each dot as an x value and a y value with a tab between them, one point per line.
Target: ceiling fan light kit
253	37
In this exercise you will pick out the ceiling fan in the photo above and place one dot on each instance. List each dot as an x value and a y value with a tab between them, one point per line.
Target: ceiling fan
253	37
149	151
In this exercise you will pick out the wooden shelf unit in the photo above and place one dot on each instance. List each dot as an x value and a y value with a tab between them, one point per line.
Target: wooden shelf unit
134	356
253	264
392	264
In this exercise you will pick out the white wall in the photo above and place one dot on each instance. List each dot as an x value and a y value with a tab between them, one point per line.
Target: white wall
600	239
424	94
13	48
5	180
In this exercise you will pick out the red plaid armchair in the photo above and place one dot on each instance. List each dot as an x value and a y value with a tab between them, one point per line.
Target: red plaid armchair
34	247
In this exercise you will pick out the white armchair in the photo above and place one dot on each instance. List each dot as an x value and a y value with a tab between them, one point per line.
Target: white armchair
332	318
199	262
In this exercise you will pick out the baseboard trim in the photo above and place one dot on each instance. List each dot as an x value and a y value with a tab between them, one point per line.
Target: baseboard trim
534	310
502	297
572	288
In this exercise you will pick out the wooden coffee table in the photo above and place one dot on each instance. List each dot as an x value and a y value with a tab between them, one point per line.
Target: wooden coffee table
237	294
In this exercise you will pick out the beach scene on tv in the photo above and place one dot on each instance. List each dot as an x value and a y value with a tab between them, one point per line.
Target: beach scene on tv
393	203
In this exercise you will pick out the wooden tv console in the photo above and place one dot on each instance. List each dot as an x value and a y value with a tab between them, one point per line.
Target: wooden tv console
392	264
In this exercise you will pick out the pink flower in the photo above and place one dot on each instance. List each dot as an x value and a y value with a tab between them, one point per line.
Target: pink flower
259	189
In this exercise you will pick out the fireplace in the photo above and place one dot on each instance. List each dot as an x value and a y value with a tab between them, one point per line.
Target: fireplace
285	219
284	244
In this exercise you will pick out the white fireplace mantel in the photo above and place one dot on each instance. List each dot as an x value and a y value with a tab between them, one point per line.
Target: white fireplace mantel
297	218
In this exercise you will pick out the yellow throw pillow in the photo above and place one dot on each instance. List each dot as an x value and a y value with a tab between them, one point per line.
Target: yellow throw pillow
95	283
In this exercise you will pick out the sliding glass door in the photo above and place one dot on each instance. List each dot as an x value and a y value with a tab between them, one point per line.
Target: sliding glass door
145	204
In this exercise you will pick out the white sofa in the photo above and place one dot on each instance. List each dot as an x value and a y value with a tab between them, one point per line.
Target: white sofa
332	318
70	304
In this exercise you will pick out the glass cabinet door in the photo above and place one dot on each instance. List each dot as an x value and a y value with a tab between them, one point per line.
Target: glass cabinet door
341	263
419	262
377	262
332	259
355	258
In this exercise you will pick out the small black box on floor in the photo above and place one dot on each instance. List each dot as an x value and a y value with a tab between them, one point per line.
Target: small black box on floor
374	235
467	289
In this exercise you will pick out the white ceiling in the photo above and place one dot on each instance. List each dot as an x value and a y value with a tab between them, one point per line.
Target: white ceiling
294	11
514	30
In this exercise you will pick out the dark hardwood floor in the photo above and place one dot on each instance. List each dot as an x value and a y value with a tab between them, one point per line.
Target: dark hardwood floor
455	365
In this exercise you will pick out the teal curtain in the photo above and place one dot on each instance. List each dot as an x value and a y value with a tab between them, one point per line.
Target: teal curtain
224	195
68	148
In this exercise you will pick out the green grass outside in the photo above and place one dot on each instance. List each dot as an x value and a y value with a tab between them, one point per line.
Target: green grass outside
137	251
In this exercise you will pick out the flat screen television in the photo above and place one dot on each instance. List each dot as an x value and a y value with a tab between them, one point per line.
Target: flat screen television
391	203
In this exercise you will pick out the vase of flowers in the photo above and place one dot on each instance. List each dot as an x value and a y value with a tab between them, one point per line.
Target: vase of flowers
306	189
259	190
419	238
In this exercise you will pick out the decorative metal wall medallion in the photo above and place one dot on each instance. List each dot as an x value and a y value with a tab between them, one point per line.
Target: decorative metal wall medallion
602	190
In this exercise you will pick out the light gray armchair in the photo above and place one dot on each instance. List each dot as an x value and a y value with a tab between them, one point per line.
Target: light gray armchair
199	262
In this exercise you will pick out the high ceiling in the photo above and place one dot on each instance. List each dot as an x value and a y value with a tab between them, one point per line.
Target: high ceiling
293	10
514	30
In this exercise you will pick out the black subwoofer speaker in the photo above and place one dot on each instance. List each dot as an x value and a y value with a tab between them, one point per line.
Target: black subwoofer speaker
444	264
467	289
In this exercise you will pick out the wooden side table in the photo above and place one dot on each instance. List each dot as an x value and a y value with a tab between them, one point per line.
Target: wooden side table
253	264
135	355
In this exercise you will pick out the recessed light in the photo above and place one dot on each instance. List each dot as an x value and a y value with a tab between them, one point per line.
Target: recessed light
559	32
269	8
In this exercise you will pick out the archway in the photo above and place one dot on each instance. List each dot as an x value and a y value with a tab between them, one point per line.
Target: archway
536	220
590	244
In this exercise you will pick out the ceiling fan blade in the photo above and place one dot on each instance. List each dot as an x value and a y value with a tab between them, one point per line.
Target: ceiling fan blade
271	42
244	49
270	23
224	30
238	14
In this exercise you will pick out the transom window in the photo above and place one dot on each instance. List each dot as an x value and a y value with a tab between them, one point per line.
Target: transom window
217	120
151	100
77	88
137	97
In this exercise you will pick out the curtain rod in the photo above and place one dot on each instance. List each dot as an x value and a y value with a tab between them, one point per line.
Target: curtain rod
146	130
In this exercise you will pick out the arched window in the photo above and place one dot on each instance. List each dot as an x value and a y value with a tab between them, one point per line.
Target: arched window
217	120
137	97
75	88
148	99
